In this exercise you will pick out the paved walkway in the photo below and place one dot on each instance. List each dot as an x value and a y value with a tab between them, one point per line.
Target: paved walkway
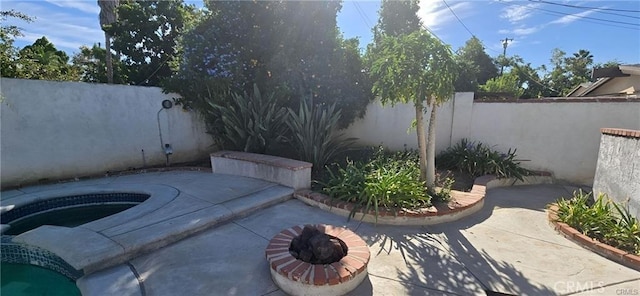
507	247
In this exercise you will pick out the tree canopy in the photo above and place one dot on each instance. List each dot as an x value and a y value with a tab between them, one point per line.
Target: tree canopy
40	60
476	66
290	47
91	62
398	18
146	35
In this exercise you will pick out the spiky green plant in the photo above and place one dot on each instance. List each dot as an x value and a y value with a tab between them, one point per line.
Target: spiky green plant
478	159
314	133
247	122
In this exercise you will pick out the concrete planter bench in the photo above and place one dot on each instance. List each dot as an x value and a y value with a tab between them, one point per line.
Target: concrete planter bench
288	172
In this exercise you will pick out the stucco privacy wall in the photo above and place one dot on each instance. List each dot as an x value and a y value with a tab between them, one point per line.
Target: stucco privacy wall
618	168
55	130
557	135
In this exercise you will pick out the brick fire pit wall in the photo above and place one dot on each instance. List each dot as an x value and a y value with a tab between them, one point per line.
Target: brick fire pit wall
297	277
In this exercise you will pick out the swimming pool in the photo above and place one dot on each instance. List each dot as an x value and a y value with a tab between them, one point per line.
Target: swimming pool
69	211
29	270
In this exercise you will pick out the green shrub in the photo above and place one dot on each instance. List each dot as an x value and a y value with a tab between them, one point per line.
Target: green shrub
314	133
477	159
249	123
387	180
601	219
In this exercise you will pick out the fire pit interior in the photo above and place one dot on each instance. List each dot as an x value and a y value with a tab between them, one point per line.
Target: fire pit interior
317	259
316	247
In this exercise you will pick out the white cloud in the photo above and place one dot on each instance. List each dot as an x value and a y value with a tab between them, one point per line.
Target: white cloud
57	42
66	28
84	6
435	14
521	31
525	31
567	19
517	13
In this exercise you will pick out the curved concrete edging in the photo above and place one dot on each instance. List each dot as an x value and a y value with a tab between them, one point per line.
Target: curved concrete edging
85	247
463	203
614	254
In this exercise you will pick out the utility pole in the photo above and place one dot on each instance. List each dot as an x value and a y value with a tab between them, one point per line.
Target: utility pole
505	43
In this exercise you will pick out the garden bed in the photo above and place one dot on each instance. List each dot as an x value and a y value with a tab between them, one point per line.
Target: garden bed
614	254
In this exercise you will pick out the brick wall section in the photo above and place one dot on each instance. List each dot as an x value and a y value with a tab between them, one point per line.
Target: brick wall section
627	259
354	263
620	132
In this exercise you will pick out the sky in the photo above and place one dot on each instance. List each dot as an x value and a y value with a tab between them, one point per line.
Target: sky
610	30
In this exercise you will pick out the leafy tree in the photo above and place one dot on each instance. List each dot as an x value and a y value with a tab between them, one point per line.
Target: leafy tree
476	66
568	72
91	62
398	18
414	68
291	47
8	52
42	60
395	18
579	66
507	82
608	64
146	37
522	81
530	82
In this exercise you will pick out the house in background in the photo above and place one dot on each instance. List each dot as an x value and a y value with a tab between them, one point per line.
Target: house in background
621	81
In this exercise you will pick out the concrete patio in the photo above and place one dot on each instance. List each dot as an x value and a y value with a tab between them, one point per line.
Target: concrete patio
507	247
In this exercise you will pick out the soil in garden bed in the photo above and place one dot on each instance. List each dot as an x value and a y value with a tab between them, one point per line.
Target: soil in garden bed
462	181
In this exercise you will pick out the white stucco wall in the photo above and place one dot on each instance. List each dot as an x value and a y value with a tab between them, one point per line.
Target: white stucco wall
618	170
390	126
560	136
57	130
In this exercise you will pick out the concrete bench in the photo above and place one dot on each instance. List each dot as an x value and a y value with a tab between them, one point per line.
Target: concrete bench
284	171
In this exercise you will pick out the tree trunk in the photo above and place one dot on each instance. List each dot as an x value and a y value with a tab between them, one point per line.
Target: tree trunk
431	148
422	145
108	60
108	15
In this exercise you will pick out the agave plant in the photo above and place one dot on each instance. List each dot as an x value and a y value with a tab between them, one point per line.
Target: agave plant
249	123
314	133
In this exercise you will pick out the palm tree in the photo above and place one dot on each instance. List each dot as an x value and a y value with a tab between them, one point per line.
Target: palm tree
108	16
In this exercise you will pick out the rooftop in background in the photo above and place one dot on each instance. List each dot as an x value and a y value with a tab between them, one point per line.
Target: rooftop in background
621	81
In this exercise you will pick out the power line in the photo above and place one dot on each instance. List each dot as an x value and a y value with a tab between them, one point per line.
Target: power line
459	20
550	12
586	17
361	13
526	73
618	14
584	7
434	34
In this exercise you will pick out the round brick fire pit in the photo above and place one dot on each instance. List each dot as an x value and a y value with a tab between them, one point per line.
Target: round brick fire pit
297	277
